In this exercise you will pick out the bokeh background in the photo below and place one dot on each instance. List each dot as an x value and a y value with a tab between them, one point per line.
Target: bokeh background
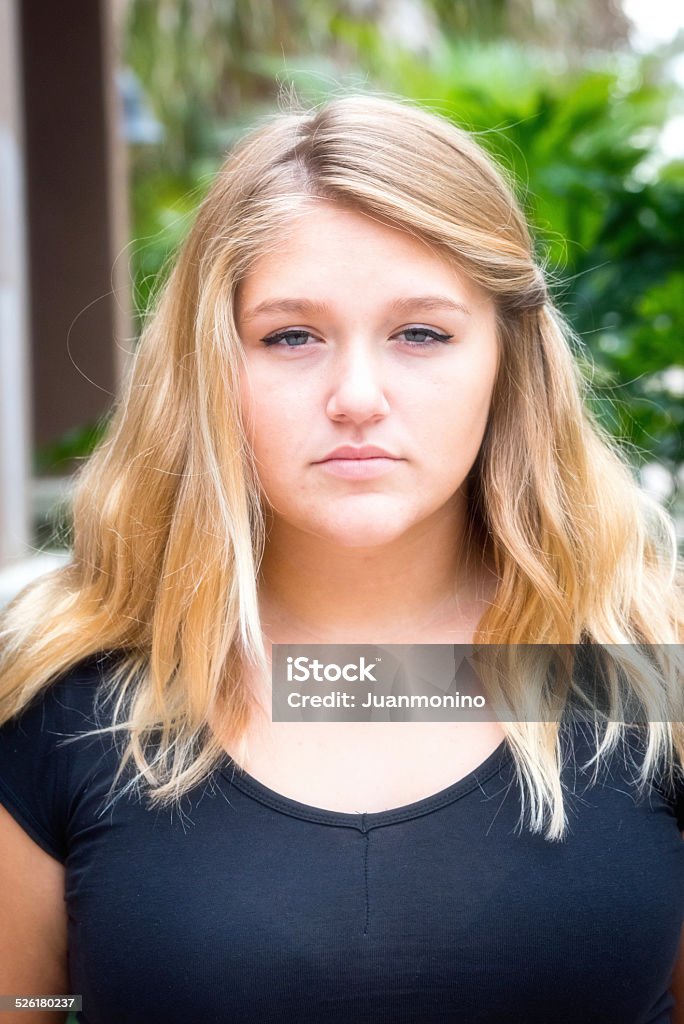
116	115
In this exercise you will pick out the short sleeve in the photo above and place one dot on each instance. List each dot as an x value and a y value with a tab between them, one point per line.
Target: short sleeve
33	772
679	804
670	786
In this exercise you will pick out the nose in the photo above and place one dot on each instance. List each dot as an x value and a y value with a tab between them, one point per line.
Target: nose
357	386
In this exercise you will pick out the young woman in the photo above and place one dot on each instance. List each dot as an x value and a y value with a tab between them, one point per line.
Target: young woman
354	417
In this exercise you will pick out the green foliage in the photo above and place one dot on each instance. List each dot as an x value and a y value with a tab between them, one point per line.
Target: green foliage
59	457
163	204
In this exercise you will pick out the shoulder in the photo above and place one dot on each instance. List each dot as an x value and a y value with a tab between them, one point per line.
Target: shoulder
67	703
72	690
618	772
79	690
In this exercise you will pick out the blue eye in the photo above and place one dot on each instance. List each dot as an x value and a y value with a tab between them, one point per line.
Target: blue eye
433	337
274	339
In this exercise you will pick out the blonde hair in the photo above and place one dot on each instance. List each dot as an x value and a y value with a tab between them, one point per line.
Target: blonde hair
167	516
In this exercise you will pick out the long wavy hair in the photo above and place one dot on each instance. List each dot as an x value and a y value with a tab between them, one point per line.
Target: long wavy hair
168	522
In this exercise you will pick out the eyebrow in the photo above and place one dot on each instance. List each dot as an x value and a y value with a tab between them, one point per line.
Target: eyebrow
403	305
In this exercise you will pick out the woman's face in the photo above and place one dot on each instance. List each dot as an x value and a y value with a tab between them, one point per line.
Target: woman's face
358	334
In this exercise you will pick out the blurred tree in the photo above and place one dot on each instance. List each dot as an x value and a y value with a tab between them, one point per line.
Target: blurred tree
199	58
571	28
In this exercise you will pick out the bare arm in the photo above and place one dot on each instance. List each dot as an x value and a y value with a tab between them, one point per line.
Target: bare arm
678	987
33	923
678	982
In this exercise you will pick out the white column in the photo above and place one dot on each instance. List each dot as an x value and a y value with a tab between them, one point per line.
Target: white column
15	419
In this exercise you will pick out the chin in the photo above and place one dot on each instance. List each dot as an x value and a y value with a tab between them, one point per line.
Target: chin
364	534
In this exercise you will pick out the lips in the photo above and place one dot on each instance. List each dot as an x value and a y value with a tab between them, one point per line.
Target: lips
366	451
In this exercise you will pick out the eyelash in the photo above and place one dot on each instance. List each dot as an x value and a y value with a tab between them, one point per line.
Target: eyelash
435	337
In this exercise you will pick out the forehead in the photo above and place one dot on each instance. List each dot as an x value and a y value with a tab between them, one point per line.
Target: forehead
326	249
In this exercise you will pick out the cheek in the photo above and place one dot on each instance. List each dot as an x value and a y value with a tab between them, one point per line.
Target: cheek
260	403
454	405
452	424
273	423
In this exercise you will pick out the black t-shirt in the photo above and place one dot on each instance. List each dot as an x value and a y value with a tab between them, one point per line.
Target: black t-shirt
252	907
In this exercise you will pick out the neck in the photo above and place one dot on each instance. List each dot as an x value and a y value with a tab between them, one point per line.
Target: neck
312	590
